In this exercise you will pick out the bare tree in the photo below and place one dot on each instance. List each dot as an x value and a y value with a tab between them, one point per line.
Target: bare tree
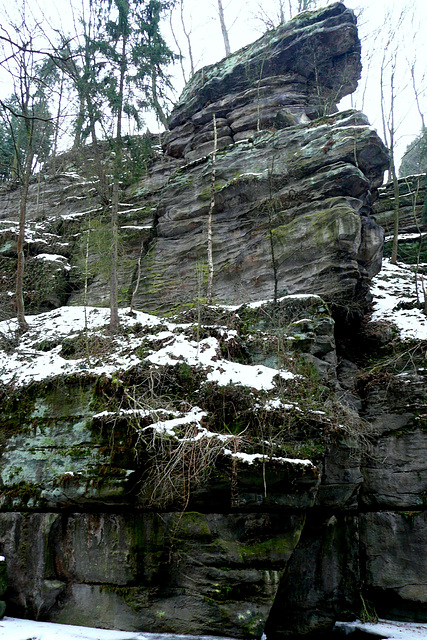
22	63
188	38
223	28
211	209
391	86
285	11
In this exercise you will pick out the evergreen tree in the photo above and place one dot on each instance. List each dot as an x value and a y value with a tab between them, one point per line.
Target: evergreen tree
135	55
13	135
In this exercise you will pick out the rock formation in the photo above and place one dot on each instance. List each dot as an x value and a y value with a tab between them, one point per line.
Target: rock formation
293	191
290	499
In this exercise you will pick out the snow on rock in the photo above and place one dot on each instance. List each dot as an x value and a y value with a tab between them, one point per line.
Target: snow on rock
29	362
207	353
386	629
250	458
394	285
168	426
50	257
16	629
39	355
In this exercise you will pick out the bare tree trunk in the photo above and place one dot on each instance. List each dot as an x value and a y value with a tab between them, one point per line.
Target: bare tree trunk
79	122
224	28
180	55
138	278
114	305
58	117
20	311
393	174
211	208
271	212
156	104
396	194
187	35
417	97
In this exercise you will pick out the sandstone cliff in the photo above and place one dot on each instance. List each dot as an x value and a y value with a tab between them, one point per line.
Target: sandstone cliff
253	466
293	188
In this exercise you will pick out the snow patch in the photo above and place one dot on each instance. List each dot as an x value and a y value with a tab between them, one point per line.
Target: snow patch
250	458
387	629
394	285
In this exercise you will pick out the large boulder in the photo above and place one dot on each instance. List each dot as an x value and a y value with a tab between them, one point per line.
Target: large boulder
292	74
291	214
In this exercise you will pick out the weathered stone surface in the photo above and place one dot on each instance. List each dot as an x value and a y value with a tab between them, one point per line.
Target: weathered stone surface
412	195
395	468
214	568
394	544
321	580
341	476
208	573
3	585
291	210
62	208
317	55
265	544
292	204
28	542
412	218
396	475
52	457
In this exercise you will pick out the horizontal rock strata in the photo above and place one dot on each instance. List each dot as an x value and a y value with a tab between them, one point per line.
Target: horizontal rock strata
293	74
292	214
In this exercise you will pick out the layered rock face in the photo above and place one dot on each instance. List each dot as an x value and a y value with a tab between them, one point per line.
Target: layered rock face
291	214
292	196
412	213
412	195
292	200
86	525
294	74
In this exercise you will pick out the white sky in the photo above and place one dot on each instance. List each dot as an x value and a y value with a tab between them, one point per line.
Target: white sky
244	26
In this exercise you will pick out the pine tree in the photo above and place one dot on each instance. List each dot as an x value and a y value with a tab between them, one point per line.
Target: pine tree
135	55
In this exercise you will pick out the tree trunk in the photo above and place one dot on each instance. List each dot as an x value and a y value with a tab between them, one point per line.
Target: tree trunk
211	208
224	28
156	104
114	305
58	118
396	195
187	35
78	127
393	175
20	311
